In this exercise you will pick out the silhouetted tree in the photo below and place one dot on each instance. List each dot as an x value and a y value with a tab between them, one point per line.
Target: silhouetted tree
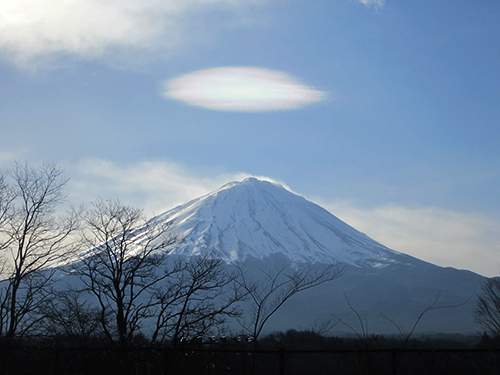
268	292
369	339
123	265
273	288
488	307
198	298
69	317
7	196
406	335
32	238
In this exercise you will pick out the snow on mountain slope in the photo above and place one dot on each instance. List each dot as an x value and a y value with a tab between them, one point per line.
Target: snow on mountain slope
259	218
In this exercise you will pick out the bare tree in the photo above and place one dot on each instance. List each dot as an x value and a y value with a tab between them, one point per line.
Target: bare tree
7	196
32	238
198	298
488	307
363	333
122	266
269	293
69	316
406	335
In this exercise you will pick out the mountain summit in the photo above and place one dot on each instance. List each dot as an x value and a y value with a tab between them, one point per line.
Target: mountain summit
259	218
263	221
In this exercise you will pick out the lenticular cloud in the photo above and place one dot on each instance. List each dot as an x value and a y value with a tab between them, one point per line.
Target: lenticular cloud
244	89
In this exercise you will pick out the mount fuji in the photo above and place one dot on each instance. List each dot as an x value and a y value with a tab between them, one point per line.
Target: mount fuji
259	222
259	218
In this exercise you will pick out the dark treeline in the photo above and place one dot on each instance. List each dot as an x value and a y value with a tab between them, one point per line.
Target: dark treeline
290	352
310	340
290	340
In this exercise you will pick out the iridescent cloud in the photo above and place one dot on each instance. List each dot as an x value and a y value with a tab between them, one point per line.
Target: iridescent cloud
245	89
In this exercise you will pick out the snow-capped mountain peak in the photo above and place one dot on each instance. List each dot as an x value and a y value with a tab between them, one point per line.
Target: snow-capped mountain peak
258	218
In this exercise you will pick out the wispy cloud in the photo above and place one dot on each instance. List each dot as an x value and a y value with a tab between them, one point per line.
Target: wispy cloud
8	157
36	33
32	31
155	186
377	3
246	89
441	236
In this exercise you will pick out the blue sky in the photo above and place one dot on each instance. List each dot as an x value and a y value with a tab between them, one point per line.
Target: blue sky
385	112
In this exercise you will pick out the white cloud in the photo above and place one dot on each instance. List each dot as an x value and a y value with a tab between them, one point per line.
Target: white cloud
155	186
8	157
34	33
377	3
34	30
247	89
440	236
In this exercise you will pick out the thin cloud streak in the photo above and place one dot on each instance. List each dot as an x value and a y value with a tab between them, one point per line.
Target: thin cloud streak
444	237
155	186
243	89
